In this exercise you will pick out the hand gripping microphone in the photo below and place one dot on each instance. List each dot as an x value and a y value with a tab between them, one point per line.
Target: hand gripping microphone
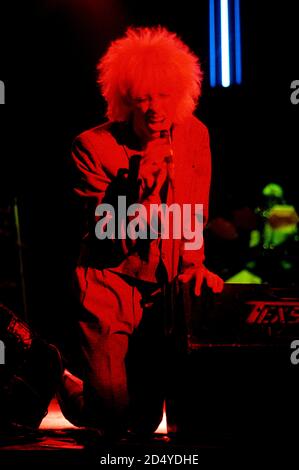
165	134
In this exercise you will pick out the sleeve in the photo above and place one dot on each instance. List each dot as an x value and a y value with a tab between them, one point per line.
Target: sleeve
88	183
192	250
89	180
93	185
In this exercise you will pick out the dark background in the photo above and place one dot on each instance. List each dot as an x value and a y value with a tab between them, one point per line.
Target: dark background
49	51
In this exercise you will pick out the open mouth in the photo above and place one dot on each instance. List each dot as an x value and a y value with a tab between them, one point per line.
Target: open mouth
155	120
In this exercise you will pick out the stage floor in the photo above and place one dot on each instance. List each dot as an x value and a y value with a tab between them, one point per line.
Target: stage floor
59	443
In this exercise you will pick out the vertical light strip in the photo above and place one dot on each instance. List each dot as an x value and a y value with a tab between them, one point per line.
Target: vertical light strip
225	60
212	44
238	63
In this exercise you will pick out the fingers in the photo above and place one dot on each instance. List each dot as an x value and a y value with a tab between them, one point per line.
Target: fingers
198	282
186	277
214	282
153	176
161	179
189	274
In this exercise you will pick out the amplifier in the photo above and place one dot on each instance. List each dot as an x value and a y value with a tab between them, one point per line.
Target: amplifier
244	314
238	380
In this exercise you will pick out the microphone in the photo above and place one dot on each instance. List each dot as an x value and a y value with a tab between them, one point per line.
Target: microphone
165	134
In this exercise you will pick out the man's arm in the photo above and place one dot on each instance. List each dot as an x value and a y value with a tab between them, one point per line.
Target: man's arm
95	184
192	259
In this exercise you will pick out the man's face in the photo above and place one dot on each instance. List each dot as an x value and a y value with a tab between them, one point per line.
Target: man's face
152	113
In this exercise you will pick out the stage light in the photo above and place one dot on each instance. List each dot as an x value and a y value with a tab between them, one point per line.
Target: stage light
225	59
212	45
238	51
225	43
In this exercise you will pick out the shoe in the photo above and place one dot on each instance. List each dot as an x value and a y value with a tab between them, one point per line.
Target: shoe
70	397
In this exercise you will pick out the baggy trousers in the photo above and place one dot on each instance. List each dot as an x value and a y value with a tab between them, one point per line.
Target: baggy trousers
122	342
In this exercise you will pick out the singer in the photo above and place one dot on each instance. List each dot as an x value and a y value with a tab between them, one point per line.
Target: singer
151	150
